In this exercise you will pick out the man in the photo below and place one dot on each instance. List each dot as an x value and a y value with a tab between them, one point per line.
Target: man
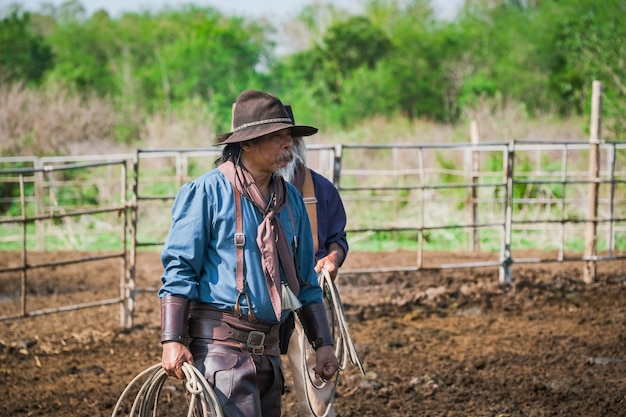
328	220
240	237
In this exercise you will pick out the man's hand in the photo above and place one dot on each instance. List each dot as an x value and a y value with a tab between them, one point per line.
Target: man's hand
174	355
326	363
332	261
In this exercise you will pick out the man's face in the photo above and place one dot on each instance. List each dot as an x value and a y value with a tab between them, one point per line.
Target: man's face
299	149
272	152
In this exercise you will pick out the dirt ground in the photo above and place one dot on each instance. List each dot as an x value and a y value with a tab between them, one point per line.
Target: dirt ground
434	343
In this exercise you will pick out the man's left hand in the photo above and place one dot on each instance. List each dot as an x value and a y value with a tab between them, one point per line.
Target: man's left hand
326	363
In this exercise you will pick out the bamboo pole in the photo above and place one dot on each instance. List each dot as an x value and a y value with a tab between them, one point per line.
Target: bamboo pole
594	184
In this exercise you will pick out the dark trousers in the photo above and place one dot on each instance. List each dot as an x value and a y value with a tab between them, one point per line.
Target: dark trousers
246	384
240	359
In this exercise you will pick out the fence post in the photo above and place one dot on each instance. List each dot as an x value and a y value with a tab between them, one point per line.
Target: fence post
130	289
613	164
40	227
594	184
505	255
24	246
474	192
126	268
337	165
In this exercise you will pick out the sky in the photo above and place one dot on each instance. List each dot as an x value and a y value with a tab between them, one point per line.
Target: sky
279	9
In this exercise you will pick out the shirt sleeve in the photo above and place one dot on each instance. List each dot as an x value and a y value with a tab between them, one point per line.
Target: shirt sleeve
331	216
182	253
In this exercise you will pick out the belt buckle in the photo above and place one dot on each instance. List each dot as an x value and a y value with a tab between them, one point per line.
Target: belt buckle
255	342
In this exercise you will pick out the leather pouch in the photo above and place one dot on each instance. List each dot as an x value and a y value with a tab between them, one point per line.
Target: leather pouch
286	330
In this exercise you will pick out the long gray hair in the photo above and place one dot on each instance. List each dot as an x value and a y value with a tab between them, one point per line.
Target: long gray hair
299	152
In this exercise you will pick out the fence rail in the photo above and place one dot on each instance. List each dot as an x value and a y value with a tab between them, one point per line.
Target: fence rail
59	196
467	197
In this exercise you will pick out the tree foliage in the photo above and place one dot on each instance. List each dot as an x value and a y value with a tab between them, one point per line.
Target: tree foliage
395	58
24	54
592	48
156	61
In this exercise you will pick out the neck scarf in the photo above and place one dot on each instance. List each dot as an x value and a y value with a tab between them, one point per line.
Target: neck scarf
271	239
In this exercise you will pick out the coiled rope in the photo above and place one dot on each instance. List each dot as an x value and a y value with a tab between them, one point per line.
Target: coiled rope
345	350
146	401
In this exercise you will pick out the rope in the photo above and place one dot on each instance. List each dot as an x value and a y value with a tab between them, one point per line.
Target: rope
344	340
345	349
146	401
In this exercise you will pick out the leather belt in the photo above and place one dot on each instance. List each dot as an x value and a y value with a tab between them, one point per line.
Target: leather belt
212	324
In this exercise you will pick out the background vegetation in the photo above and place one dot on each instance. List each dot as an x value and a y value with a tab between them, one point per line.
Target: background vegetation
73	83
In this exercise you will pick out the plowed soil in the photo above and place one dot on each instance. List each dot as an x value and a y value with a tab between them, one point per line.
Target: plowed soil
438	342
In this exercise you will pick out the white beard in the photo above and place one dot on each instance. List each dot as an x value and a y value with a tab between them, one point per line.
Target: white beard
289	170
299	153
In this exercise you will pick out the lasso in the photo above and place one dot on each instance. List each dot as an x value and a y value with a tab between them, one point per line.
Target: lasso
344	346
146	401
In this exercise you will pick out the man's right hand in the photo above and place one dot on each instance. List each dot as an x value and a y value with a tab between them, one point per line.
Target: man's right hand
174	355
332	261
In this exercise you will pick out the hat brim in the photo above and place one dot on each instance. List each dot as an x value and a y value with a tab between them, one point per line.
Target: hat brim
254	132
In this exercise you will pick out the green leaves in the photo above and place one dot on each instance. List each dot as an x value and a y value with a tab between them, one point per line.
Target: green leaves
24	55
154	61
591	48
395	59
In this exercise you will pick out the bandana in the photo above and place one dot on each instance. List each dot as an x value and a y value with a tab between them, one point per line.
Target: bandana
271	239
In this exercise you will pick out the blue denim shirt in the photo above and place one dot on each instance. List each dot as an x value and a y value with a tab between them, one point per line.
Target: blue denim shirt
199	255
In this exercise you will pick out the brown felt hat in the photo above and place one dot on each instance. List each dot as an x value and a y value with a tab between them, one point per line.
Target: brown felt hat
256	114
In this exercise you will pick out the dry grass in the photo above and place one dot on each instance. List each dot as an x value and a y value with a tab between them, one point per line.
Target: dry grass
54	122
505	122
57	122
189	126
495	124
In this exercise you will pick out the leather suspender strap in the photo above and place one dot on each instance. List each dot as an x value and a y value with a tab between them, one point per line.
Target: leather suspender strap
240	241
310	202
296	242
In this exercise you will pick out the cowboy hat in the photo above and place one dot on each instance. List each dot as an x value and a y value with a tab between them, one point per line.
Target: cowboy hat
256	114
290	112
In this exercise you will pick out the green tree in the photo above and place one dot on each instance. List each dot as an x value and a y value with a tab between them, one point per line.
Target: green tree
83	49
148	62
24	54
502	49
346	46
196	52
416	82
591	48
